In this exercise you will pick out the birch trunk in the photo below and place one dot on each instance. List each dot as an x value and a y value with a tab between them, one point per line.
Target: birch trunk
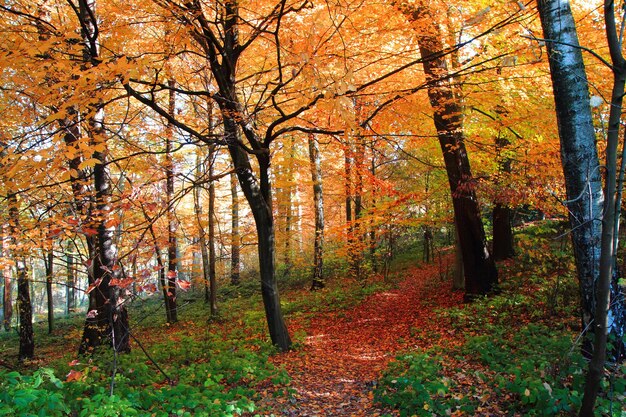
318	203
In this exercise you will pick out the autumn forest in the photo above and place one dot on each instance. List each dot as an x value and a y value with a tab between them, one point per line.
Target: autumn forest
312	208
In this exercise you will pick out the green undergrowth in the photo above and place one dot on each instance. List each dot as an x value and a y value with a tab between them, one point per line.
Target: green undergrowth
519	354
200	366
210	377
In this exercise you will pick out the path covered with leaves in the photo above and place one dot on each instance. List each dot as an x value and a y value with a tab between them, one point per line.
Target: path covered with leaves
335	372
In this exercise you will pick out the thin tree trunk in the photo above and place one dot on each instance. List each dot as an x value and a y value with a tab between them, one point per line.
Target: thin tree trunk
49	262
197	204
24	306
287	206
211	242
70	283
318	203
503	245
172	252
359	236
234	233
350	218
458	280
6	277
160	265
372	234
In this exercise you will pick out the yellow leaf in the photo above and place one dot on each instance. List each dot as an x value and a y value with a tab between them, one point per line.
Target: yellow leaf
88	163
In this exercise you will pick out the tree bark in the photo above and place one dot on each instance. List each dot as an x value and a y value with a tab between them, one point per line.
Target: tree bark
590	215
197	203
258	195
502	233
480	271
172	252
287	204
458	280
7	299
211	242
107	319
107	322
234	232
49	262
70	283
24	306
318	203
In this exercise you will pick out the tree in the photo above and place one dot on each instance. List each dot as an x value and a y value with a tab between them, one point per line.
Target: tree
594	215
217	38
49	265
318	203
212	220
479	268
107	321
172	247
235	249
7	299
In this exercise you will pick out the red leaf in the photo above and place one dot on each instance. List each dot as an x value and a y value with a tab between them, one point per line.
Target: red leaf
172	274
90	231
74	376
93	285
183	285
121	283
149	288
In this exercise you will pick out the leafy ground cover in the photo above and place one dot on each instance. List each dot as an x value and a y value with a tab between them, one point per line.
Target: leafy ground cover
407	346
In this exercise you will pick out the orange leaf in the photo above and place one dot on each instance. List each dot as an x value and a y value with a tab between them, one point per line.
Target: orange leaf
74	376
90	231
183	285
93	285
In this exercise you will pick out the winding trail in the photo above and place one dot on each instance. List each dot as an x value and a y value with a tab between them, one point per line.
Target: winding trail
335	371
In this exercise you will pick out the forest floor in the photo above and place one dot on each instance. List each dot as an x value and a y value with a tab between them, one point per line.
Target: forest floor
335	371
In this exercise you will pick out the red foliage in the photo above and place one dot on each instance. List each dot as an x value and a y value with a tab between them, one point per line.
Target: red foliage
345	351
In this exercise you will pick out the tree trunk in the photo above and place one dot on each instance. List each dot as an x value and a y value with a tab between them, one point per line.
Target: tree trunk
458	280
353	265
502	233
582	172
234	232
197	204
258	194
608	276
7	298
49	262
107	322
70	283
318	203
160	265
172	252
286	204
503	244
24	306
107	319
480	271
211	242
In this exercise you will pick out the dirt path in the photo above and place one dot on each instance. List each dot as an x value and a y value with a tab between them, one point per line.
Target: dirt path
345	351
